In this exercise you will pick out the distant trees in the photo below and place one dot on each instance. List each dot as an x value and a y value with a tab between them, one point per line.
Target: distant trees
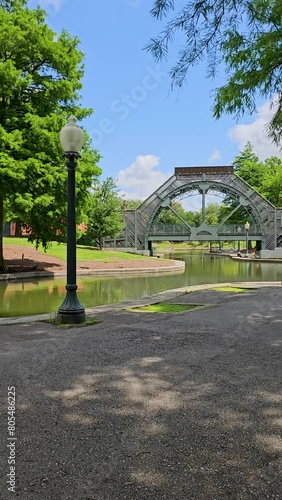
265	176
193	218
104	213
131	204
166	216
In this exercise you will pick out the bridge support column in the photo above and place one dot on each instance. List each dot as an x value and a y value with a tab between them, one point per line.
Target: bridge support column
203	206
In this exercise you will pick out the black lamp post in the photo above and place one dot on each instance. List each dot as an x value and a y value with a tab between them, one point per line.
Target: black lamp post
72	138
247	227
239	231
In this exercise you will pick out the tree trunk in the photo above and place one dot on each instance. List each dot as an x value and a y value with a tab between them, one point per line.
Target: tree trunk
18	232
3	268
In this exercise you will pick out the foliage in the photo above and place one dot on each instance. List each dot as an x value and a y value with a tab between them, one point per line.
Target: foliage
245	35
40	77
273	180
166	216
105	215
248	166
264	176
131	204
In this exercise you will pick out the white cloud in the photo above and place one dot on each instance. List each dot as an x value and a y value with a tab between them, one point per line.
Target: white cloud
256	134
216	155
141	178
194	202
53	6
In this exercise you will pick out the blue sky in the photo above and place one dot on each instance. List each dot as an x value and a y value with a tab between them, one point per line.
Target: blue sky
141	128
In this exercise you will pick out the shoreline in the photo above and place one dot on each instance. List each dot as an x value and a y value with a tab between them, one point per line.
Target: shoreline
175	267
152	299
244	259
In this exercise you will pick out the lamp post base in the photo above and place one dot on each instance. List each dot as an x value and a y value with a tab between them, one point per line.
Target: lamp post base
71	311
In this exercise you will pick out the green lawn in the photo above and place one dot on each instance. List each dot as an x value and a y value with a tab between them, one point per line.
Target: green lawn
232	289
83	253
164	308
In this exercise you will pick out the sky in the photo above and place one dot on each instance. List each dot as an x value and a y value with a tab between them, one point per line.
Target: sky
141	128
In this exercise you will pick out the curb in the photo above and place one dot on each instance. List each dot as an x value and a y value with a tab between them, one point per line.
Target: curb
153	299
178	265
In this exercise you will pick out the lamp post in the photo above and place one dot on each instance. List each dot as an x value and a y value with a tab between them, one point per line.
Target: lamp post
239	231
72	138
247	227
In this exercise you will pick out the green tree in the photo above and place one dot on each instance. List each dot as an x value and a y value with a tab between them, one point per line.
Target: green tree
131	204
264	176
245	35
40	79
273	180
248	166
212	213
190	217
166	216
105	212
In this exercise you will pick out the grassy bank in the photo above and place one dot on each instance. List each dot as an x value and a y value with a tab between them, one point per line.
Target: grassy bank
83	253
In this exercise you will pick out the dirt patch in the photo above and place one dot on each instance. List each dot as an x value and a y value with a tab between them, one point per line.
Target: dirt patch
26	259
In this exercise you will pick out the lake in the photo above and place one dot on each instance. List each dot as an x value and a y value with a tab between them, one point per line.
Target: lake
23	298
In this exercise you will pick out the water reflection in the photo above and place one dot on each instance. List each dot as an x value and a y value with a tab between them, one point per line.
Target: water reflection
45	295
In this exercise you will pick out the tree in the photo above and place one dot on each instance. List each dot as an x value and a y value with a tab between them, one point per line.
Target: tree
105	212
273	181
245	35
212	213
264	176
131	204
166	216
40	77
248	166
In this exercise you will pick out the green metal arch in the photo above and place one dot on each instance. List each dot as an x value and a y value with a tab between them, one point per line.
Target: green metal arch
219	186
266	216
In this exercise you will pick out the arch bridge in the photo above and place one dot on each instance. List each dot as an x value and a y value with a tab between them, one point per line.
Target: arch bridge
142	227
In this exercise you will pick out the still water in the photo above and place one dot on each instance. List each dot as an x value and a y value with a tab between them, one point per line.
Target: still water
45	295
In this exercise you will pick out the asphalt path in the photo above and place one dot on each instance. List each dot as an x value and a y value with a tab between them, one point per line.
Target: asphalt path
147	406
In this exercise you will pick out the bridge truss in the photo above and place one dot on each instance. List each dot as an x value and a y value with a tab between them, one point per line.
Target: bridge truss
142	229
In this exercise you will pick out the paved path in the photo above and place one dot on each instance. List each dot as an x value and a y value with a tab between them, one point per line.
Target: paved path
149	406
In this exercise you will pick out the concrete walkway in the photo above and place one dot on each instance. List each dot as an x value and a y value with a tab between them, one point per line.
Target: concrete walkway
149	406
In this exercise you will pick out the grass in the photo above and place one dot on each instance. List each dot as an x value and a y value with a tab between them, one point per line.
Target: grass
232	289
164	308
83	253
57	322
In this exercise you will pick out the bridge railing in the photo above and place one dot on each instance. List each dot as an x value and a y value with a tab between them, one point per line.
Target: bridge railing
176	229
228	229
238	229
